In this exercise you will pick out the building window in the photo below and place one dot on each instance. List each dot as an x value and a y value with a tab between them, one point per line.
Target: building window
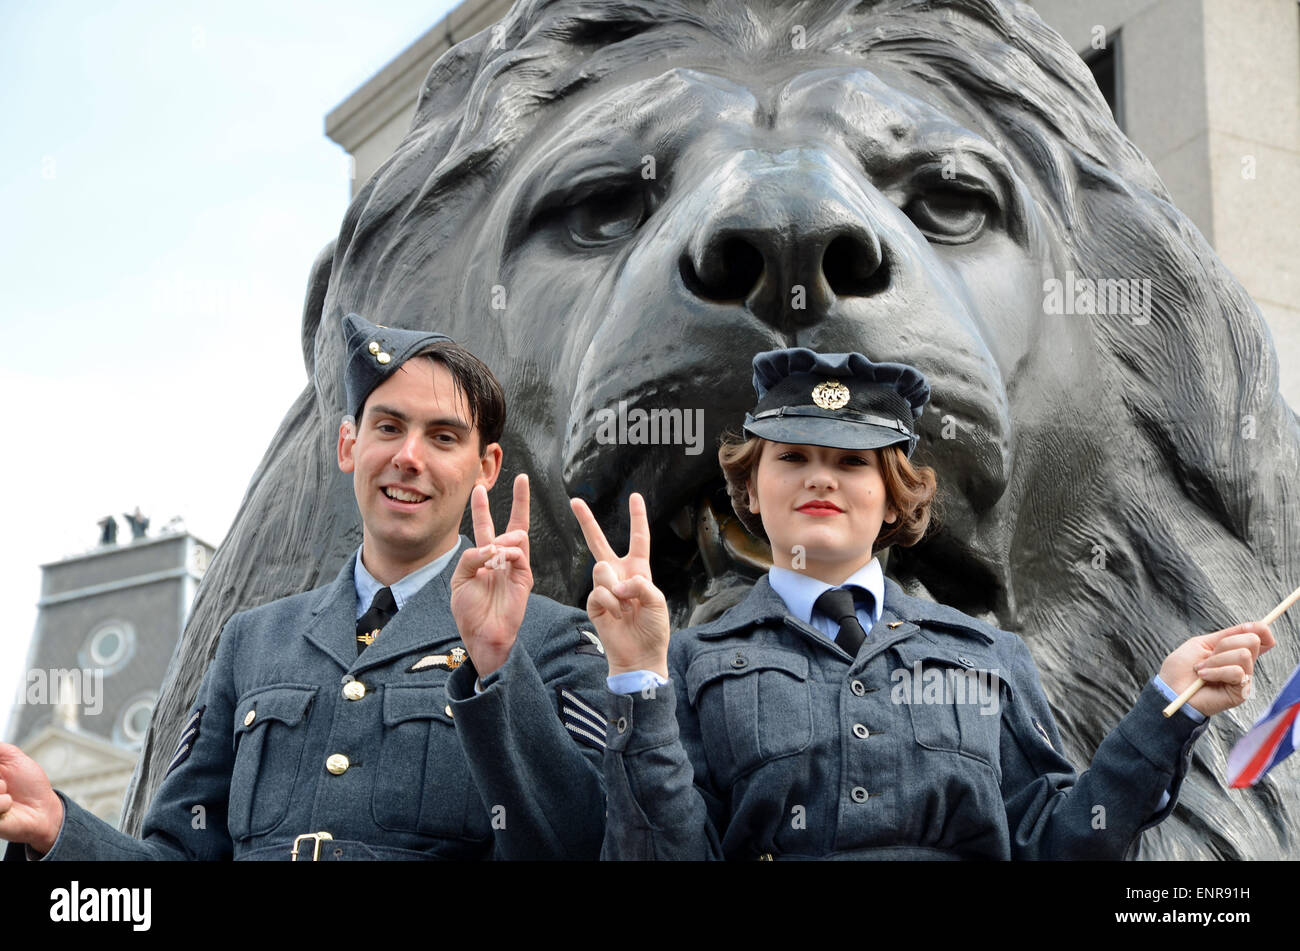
134	721
109	647
1104	65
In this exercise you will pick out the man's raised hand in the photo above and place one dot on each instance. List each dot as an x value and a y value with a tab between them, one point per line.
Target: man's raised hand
490	587
629	612
31	812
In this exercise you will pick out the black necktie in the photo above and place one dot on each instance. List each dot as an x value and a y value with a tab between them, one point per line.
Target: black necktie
382	610
837	604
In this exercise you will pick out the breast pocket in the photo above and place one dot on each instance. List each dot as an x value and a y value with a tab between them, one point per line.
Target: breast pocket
270	737
423	783
954	698
754	706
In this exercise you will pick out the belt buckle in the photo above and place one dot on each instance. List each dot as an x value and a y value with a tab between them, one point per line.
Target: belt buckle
319	837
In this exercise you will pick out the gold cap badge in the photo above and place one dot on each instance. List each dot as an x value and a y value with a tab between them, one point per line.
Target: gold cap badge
831	395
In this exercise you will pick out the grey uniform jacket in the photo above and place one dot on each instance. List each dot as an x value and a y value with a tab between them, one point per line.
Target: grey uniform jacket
771	742
434	770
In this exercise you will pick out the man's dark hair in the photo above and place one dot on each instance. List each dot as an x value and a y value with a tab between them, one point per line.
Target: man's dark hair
474	381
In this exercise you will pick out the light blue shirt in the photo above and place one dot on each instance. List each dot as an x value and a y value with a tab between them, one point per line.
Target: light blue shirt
403	590
800	591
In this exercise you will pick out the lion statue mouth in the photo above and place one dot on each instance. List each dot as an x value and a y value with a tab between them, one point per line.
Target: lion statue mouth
616	205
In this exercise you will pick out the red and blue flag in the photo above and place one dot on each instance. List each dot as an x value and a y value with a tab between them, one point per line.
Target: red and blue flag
1272	739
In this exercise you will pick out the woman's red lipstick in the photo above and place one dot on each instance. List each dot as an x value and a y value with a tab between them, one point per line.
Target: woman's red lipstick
820	507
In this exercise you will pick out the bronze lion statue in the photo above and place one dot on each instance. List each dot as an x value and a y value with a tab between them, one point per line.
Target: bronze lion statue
616	204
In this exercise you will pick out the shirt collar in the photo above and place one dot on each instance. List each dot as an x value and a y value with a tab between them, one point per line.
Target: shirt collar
403	590
799	590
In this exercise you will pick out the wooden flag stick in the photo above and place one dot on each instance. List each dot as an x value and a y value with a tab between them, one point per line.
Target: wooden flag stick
1272	616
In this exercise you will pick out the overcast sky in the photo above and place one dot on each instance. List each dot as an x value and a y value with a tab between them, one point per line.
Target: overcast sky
165	184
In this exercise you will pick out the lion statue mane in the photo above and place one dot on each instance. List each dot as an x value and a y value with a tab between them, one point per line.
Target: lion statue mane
1112	484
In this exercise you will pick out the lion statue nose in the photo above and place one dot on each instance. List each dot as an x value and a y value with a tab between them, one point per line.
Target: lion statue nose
786	234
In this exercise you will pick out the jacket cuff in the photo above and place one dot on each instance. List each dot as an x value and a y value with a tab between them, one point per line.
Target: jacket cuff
643	720
1165	742
85	836
461	683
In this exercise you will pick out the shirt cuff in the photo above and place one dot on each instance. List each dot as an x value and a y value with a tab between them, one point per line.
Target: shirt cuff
634	681
1196	715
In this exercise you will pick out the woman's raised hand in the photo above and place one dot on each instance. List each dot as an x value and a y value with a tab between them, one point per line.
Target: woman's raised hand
629	612
1225	660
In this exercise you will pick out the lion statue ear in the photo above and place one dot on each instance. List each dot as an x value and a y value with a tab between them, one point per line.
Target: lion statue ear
318	283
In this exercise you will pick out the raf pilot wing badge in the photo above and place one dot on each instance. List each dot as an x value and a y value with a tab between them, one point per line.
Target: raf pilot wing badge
449	661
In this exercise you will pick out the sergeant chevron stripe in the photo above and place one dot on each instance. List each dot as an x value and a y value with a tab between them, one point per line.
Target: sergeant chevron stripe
582	719
189	736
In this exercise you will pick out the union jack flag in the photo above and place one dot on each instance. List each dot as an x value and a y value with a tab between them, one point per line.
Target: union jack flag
1272	739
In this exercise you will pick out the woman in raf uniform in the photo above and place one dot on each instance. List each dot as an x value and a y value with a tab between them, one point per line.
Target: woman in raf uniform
828	714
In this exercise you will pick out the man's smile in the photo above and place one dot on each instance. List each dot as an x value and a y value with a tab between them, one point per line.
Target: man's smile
403	497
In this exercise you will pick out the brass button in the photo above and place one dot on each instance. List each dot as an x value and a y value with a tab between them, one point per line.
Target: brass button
739	661
858	688
859	794
354	690
621	724
447	710
337	764
374	346
860	731
249	717
895	624
382	357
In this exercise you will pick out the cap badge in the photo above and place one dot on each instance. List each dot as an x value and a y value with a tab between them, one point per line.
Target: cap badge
831	395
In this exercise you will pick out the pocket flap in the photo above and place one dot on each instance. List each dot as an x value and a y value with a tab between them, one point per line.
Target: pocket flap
957	657
737	661
404	702
918	649
286	703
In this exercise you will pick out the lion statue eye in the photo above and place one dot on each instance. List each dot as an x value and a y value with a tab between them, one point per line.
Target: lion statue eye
949	216
605	217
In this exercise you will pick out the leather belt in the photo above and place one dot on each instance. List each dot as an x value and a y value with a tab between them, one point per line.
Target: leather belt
323	847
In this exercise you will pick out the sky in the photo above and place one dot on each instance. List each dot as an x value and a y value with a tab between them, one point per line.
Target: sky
165	184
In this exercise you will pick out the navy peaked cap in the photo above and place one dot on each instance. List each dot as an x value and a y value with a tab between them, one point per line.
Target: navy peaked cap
840	400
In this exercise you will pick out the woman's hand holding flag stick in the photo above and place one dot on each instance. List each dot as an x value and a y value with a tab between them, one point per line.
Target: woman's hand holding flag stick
1197	684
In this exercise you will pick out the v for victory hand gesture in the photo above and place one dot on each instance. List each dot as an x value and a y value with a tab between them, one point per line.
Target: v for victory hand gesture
629	612
489	589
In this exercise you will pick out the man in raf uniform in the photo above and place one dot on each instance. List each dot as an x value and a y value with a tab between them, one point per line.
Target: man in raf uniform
406	710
